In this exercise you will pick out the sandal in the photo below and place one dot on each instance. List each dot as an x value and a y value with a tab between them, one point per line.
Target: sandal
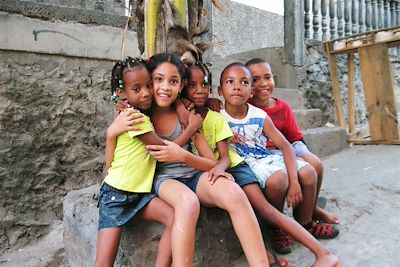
281	242
278	262
322	230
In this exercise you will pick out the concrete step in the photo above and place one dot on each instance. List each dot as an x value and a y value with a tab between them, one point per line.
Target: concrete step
308	118
324	141
292	96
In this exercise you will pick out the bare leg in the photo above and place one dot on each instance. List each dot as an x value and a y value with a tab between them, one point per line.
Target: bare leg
319	213
187	208
159	211
290	226
227	195
276	188
107	246
308	182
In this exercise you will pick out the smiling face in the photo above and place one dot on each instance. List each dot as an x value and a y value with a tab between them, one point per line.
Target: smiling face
197	88
167	84
263	80
137	88
236	85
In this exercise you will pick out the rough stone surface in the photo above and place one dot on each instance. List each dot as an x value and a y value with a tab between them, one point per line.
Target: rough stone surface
53	112
65	38
314	81
72	11
308	118
233	31
47	251
324	141
216	242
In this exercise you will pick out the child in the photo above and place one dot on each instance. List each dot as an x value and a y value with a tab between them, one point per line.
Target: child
167	74
283	118
251	126
126	188
217	133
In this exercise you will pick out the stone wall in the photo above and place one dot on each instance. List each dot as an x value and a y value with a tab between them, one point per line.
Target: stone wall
216	241
242	28
314	81
53	115
108	6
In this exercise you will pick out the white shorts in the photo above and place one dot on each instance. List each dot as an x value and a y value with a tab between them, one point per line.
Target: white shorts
263	168
299	149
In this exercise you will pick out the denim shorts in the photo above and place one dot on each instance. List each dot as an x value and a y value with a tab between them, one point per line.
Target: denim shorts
300	148
117	207
189	182
243	174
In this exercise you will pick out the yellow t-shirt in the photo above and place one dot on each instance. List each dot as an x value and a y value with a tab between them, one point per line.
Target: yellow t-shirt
133	167
215	128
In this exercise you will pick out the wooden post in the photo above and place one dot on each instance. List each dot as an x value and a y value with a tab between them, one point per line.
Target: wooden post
336	88
378	90
351	93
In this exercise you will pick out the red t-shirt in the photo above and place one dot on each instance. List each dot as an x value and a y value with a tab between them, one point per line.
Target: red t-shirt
283	118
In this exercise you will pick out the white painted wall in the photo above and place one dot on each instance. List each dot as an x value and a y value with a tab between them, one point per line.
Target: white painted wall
274	6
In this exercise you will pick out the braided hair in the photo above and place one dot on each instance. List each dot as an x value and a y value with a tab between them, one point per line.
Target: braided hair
117	72
204	69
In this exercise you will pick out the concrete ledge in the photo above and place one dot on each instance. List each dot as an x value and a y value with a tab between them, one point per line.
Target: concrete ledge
216	242
292	96
324	141
308	118
64	38
63	13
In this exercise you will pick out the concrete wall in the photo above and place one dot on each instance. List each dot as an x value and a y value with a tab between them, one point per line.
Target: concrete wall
54	108
65	38
242	28
109	6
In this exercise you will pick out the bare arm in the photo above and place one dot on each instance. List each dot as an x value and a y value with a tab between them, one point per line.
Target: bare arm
171	152
195	121
224	163
294	195
202	147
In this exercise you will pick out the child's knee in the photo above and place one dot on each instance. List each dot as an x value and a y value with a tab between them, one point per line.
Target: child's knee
278	181
233	195
189	205
315	162
168	217
308	176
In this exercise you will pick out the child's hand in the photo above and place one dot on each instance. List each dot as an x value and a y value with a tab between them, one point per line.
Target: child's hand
217	172
122	104
294	195
124	122
183	113
189	105
171	152
215	104
195	121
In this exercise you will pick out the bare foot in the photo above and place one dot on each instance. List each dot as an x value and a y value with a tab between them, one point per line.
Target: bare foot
325	216
275	261
328	260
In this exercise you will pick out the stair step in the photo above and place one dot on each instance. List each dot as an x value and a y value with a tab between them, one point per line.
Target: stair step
324	141
308	118
292	96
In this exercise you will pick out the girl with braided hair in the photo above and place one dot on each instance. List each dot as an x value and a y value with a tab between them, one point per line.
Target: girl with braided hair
126	189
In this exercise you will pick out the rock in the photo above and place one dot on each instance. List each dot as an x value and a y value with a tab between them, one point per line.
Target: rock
216	241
